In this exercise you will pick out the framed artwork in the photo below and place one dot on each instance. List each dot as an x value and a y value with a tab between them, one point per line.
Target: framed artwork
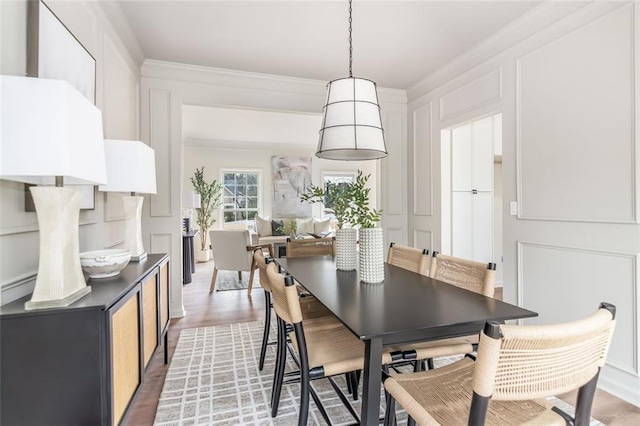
291	177
54	52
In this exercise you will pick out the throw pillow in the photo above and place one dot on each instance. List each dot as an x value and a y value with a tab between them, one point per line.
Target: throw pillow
277	228
322	226
263	226
305	226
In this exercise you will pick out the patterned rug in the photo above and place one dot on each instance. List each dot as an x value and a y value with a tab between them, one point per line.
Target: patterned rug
213	379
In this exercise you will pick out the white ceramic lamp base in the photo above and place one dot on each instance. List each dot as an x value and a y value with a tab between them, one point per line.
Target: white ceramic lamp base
132	227
60	281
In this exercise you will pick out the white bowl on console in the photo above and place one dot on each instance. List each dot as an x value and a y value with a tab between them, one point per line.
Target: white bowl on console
104	263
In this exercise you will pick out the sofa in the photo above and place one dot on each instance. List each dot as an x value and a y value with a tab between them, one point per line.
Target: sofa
266	230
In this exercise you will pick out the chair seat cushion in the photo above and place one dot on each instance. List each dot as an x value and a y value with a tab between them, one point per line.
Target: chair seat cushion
447	392
334	348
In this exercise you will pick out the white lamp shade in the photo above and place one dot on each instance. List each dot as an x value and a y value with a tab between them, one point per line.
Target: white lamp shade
351	127
131	167
48	129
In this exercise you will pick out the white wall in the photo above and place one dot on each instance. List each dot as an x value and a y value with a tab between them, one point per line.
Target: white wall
167	87
565	79
258	157
118	62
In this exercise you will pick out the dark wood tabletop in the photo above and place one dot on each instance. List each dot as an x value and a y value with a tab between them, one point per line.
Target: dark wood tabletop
406	307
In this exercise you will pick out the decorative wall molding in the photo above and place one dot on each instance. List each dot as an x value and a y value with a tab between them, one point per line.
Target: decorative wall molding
115	20
532	22
422	158
395	235
22	229
633	289
161	243
249	145
160	141
472	95
423	239
257	81
394	200
613	208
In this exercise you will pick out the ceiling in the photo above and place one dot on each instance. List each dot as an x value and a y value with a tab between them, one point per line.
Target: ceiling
395	43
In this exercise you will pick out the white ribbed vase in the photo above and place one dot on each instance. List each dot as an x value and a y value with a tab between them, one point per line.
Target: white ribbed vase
371	255
346	249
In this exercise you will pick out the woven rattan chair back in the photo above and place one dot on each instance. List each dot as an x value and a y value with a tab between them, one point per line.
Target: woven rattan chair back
527	362
311	247
468	274
261	262
285	298
412	259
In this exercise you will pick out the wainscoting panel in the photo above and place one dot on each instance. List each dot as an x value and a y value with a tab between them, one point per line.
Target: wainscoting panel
395	235
591	115
423	239
160	141
566	283
422	160
472	95
161	243
394	163
120	94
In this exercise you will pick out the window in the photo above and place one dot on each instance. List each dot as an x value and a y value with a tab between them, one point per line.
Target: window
339	178
240	198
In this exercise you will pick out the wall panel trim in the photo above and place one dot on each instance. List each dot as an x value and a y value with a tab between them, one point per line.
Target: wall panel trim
635	371
415	161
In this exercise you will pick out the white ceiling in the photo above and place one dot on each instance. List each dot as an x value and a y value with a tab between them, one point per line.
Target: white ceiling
395	43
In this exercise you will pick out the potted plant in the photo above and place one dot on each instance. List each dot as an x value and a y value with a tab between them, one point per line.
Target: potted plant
210	199
371	238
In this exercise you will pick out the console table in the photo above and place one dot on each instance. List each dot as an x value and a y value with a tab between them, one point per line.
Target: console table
83	364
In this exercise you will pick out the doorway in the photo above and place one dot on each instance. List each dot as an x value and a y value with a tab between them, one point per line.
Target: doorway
472	191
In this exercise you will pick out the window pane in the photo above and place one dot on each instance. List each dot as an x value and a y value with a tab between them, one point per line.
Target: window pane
241	215
229	216
229	178
252	203
251	215
241	178
241	203
252	190
252	179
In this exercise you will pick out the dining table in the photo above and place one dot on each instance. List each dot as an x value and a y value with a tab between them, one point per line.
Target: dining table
406	307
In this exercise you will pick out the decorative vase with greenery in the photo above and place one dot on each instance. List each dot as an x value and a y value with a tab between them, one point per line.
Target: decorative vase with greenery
210	199
371	238
349	202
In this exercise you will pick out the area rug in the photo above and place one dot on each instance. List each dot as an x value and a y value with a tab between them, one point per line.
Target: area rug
213	379
226	280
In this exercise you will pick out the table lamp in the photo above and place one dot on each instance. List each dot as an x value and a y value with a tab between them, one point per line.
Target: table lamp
131	167
51	134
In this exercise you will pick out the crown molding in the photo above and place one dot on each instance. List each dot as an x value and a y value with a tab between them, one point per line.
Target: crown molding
527	25
245	79
248	145
113	16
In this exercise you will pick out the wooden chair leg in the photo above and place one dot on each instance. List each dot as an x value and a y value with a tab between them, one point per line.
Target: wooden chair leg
239	276
253	269
267	326
213	279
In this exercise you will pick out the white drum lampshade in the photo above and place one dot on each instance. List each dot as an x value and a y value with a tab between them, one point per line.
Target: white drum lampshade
50	134
351	127
131	167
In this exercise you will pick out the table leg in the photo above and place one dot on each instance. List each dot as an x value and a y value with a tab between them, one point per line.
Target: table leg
372	382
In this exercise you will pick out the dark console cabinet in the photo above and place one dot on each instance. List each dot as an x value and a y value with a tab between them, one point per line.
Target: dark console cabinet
83	364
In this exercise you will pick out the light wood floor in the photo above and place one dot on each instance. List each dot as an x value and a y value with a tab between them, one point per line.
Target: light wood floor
204	309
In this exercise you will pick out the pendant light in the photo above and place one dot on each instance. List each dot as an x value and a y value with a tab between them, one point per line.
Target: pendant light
351	124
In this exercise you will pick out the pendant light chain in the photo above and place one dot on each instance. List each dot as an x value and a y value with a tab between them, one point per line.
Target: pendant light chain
350	43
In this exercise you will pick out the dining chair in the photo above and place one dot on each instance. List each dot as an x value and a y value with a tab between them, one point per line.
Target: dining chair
474	276
232	251
311	247
516	368
311	308
323	349
412	259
